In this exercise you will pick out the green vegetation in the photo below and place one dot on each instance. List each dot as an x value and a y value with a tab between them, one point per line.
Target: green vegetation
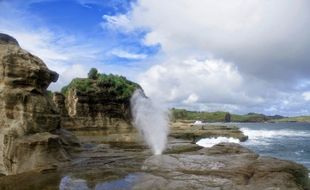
111	85
93	74
182	114
305	119
250	117
49	94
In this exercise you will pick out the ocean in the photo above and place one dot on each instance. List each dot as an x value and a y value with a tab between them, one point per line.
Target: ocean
288	141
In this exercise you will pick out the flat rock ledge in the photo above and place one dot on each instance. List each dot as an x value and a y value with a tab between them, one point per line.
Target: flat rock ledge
181	130
225	166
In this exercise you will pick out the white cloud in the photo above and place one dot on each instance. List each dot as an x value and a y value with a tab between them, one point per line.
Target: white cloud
209	81
61	52
70	72
192	98
306	95
127	55
266	40
120	22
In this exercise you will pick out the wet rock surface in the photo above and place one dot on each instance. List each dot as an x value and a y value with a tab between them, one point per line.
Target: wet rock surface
99	165
224	166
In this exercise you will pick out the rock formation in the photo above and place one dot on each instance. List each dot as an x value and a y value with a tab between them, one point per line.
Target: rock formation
29	120
224	166
184	130
98	108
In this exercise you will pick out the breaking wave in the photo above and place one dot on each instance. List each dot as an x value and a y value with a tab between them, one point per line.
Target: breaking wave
209	142
259	134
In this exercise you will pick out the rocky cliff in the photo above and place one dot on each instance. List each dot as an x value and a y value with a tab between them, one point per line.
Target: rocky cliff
30	134
102	103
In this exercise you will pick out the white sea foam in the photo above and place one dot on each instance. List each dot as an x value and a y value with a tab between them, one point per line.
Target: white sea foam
265	137
151	119
209	142
259	134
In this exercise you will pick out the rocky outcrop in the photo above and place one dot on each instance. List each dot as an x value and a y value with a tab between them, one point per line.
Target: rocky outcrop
184	130
224	166
29	120
91	110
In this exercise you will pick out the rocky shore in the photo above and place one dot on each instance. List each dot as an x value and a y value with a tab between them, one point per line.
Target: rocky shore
186	130
184	165
39	151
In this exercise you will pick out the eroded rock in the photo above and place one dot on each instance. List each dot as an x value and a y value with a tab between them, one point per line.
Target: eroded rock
93	110
224	166
29	120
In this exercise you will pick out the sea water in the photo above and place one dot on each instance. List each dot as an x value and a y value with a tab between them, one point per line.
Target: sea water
288	141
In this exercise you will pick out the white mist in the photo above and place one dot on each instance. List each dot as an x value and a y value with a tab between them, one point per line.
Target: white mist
151	120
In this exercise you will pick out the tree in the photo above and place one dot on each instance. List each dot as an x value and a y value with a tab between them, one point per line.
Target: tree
93	74
227	117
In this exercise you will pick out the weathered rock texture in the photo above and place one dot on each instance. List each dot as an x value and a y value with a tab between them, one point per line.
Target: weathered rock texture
224	166
29	120
81	110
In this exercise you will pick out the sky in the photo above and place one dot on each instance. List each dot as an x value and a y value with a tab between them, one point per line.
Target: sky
239	56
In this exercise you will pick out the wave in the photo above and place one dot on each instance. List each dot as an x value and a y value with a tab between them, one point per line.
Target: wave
209	142
264	133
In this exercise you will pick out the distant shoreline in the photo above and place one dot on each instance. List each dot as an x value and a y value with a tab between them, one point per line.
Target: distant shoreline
226	117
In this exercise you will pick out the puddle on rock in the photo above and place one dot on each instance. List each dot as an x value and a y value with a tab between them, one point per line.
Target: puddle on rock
126	183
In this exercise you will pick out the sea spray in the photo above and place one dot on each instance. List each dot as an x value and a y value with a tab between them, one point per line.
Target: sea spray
209	142
151	120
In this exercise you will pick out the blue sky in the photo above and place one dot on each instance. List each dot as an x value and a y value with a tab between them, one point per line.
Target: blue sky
66	28
239	56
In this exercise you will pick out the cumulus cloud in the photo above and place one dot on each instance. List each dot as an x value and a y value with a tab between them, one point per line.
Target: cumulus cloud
266	40
254	33
200	82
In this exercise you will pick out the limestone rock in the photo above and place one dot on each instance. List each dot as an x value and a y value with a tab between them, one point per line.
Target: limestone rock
27	116
224	166
82	110
6	39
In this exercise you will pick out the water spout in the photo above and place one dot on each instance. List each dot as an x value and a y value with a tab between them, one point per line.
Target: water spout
151	120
